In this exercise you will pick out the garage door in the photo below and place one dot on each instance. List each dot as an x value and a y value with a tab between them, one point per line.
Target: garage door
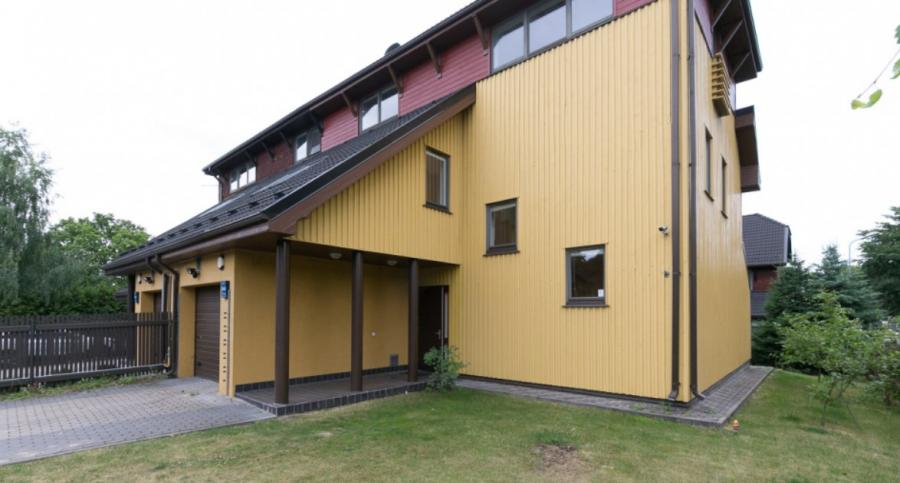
206	344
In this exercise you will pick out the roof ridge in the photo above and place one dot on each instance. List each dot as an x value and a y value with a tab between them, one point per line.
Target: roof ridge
768	218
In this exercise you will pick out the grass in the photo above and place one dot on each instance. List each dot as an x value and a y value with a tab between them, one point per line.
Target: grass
468	435
43	390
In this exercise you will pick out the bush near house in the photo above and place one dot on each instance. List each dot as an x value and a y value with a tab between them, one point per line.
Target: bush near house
445	366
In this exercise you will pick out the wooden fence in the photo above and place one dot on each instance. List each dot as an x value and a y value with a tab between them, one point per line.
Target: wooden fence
58	348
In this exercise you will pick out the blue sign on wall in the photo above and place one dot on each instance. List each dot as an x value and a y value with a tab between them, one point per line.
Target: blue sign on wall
223	290
136	297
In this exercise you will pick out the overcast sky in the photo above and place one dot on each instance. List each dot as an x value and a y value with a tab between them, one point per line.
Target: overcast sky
128	97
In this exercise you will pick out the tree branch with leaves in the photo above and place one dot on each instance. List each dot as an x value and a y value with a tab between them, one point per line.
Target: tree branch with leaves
873	91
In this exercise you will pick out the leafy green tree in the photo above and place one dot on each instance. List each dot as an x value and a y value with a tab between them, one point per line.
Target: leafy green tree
881	253
851	286
874	92
837	348
24	204
792	293
96	240
55	271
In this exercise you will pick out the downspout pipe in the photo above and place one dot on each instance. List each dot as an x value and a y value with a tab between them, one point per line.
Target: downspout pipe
675	40
176	285
692	208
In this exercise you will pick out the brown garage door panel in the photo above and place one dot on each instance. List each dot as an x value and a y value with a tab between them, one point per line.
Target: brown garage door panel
206	344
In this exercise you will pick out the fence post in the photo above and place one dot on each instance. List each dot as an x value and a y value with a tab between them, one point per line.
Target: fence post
32	347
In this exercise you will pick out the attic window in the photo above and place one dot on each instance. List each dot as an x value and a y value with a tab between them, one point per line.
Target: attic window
543	26
307	144
379	108
242	176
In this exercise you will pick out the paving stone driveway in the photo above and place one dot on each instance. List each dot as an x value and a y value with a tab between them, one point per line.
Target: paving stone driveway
49	426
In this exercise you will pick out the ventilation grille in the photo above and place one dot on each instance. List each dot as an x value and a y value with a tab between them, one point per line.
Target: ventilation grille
722	87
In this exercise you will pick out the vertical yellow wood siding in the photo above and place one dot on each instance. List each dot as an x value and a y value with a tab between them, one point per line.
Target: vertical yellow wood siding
581	137
383	212
723	292
320	317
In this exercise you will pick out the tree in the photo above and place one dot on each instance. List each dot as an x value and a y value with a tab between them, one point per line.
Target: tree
832	345
851	287
873	90
56	271
792	293
97	240
881	255
24	204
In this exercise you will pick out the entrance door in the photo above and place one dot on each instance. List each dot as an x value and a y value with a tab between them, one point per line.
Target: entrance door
433	319
206	341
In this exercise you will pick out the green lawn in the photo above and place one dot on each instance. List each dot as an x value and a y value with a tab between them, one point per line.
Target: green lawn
469	436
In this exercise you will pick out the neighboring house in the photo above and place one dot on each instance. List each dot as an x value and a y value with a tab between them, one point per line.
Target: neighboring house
767	246
554	188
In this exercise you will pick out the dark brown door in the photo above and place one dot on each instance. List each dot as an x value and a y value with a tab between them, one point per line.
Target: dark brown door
432	320
206	342
157	303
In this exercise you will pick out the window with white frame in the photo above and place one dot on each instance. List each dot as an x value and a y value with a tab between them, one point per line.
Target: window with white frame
307	144
379	108
242	176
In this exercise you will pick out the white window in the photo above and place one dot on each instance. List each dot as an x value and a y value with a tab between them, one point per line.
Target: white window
379	108
242	176
307	144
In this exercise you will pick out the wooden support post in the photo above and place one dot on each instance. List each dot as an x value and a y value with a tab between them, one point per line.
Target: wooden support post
356	325
131	291
282	320
413	330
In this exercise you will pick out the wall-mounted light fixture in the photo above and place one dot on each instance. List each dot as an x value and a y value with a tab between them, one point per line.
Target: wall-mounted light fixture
220	262
335	255
392	263
195	270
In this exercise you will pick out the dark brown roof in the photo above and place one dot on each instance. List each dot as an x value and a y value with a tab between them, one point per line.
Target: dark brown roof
266	199
766	242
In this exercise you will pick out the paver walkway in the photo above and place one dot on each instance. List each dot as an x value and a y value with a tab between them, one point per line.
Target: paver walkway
48	426
718	407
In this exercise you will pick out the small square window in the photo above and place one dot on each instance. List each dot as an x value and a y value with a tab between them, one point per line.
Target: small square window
437	176
368	113
307	144
586	276
586	13
501	227
390	104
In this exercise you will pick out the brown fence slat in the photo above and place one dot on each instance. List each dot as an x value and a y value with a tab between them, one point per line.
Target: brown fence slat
58	348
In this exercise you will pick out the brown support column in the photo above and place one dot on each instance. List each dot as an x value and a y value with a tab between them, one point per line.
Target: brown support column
131	293
282	320
356	325
413	330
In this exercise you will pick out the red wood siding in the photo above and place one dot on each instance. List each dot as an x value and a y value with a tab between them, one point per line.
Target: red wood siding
266	167
340	126
625	6
464	64
763	279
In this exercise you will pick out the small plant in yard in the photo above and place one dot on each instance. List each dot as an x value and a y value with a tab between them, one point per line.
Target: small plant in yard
837	349
445	366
